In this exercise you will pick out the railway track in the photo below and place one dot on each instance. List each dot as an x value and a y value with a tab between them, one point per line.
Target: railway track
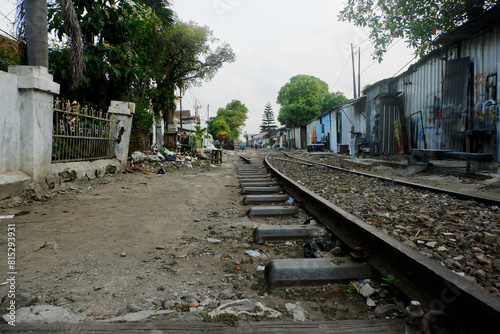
440	290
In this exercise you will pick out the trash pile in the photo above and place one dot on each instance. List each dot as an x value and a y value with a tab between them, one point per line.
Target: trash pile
161	161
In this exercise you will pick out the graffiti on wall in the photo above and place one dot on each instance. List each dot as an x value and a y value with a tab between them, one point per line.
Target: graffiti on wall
486	103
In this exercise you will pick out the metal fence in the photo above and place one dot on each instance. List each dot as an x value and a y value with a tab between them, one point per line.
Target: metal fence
81	133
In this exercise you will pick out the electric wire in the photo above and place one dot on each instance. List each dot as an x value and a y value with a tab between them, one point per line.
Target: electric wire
403	67
340	75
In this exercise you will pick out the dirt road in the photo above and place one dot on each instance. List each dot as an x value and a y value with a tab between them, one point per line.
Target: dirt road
134	242
144	247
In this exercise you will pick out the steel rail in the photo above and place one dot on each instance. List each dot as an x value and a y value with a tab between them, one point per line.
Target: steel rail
464	196
420	278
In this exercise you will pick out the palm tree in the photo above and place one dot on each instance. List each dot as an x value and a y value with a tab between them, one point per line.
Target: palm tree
32	27
35	29
199	133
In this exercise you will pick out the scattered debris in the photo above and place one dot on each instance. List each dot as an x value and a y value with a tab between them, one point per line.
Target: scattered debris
245	307
253	253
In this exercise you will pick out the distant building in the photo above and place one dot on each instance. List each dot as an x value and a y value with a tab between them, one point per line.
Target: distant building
188	121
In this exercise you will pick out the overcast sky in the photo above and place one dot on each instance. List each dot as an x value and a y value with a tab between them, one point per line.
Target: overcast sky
275	40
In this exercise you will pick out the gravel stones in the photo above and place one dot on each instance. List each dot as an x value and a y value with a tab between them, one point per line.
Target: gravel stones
462	234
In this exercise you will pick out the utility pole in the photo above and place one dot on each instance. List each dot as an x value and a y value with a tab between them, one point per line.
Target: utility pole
353	72
180	107
196	107
359	72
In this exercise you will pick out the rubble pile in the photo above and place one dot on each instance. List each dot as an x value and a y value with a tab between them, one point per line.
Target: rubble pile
154	162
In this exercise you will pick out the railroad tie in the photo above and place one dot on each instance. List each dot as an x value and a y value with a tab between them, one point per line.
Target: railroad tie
247	183
267	211
265	199
261	190
287	232
307	272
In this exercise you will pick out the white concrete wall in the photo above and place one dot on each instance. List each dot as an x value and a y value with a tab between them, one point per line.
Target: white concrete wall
26	109
10	120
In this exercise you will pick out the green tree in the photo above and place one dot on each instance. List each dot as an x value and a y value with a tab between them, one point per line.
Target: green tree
35	12
199	134
217	124
191	55
233	116
116	55
268	124
9	54
417	22
133	54
303	98
162	9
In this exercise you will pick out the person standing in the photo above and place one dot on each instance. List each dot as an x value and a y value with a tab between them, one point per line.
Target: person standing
324	139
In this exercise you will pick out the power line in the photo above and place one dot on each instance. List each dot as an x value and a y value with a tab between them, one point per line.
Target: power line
347	62
375	61
403	67
362	42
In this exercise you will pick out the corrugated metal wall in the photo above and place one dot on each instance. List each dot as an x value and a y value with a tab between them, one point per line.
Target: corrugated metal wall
484	52
422	92
311	128
296	133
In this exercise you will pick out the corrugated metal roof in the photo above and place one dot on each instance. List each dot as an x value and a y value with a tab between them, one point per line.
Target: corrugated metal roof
484	21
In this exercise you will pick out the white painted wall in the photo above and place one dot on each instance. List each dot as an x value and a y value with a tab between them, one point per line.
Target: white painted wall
10	120
26	109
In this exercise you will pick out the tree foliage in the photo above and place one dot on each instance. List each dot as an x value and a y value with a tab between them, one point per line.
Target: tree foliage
190	58
135	51
268	123
9	54
229	119
303	98
416	21
116	56
162	9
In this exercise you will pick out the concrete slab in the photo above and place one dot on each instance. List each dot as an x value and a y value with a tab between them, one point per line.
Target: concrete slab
307	272
287	232
262	199
13	183
260	211
261	190
246	183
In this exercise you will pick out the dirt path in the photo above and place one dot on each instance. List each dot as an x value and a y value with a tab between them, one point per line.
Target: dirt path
123	239
176	243
135	242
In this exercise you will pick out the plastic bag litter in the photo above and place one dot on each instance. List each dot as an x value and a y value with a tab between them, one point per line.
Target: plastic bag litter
253	253
209	148
138	156
322	245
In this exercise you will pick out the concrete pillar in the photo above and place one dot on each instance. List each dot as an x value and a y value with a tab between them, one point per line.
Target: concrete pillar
122	113
36	90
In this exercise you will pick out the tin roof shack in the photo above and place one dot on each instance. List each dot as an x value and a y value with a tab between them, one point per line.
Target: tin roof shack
280	137
348	124
325	127
290	138
294	136
311	131
472	56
